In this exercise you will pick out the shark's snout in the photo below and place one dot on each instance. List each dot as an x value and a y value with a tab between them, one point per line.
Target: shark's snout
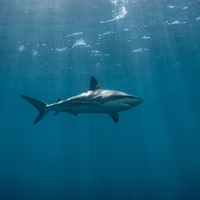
139	100
133	101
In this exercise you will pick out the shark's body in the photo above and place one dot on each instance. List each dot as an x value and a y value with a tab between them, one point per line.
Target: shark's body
95	100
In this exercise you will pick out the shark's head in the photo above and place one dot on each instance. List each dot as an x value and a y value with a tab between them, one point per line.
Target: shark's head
133	100
112	97
124	98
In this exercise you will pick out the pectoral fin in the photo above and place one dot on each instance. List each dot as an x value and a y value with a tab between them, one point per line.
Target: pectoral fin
114	116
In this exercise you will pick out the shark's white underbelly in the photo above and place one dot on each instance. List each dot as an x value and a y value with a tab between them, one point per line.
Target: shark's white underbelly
101	108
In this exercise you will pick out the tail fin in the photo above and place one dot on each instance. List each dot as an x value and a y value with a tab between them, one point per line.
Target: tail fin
39	105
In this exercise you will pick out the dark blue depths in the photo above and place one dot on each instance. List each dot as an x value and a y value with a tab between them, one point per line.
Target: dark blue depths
49	49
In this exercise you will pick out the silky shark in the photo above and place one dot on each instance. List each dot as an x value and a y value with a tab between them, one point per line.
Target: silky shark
95	100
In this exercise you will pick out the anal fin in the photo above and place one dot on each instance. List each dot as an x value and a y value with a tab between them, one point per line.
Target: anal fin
73	112
114	116
56	112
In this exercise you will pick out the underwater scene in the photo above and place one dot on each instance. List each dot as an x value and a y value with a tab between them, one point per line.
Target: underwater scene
100	99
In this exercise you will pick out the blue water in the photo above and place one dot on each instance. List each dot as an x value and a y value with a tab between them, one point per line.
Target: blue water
49	49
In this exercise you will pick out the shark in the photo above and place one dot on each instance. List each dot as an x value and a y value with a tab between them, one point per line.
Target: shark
95	100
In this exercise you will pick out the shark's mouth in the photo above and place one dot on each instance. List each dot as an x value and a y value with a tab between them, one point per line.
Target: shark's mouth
135	101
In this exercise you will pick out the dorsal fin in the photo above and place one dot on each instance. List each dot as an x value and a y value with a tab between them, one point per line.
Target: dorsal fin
94	84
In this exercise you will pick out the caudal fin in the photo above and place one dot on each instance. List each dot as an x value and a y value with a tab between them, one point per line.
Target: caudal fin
39	105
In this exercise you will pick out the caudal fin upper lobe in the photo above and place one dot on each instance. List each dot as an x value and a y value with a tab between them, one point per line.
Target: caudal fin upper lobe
39	105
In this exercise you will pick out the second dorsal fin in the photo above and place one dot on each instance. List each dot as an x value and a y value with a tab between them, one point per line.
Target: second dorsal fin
94	84
59	99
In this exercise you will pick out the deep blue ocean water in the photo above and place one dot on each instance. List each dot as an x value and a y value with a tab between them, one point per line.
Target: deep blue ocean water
49	49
